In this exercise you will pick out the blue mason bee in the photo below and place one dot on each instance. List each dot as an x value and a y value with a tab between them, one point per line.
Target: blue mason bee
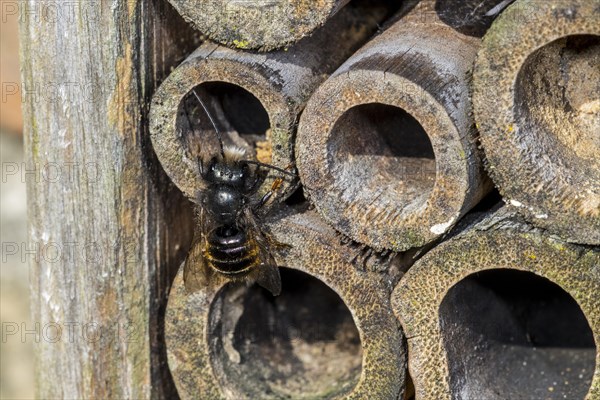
230	239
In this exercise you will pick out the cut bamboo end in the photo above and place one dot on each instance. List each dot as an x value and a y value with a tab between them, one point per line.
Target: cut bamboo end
537	105
254	98
261	25
330	333
241	100
386	146
502	310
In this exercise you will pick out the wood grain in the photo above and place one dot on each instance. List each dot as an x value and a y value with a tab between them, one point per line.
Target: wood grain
119	226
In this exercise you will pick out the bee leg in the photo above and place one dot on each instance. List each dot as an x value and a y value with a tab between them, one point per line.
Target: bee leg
274	187
295	186
263	201
274	243
200	166
255	185
276	184
277	244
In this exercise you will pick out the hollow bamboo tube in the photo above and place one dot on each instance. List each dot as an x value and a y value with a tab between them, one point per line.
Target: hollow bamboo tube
537	105
262	25
386	146
235	342
239	87
477	330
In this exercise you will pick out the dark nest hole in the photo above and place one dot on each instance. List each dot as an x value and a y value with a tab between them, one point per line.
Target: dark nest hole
382	150
514	335
302	344
469	17
237	113
557	101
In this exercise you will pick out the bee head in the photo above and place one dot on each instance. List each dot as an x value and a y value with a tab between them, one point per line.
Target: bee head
230	174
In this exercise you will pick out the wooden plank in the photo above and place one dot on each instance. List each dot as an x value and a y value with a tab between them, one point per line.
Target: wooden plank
119	226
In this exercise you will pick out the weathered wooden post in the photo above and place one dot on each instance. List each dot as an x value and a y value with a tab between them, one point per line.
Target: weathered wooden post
118	225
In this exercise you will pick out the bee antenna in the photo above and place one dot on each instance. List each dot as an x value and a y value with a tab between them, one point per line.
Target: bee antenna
260	164
212	121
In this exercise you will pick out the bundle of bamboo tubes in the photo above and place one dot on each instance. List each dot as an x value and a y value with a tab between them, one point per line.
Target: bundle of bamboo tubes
444	240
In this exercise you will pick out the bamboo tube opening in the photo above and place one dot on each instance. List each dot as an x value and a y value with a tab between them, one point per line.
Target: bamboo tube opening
513	334
383	146
502	310
301	344
382	168
558	90
239	115
329	334
537	108
403	98
282	81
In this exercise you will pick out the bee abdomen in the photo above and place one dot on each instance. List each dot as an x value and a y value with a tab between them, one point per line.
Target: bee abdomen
232	255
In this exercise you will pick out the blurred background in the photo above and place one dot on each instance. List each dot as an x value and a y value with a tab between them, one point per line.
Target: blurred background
16	355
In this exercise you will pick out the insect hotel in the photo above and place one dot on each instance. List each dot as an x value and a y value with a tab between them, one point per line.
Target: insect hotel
323	200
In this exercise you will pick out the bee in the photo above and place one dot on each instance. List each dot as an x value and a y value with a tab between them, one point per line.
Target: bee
230	240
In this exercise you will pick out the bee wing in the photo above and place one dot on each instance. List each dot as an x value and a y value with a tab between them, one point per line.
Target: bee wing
267	272
191	134
193	145
196	273
194	153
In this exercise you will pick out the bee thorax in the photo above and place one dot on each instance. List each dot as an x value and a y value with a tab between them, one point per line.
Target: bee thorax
224	203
